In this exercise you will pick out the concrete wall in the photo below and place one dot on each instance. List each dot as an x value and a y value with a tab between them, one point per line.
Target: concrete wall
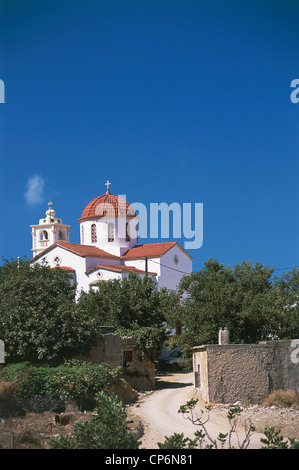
245	372
111	348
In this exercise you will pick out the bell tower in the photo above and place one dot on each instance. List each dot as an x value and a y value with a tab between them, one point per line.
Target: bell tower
49	230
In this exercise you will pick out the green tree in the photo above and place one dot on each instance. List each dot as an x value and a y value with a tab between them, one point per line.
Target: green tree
287	303
244	298
134	307
133	301
106	430
39	321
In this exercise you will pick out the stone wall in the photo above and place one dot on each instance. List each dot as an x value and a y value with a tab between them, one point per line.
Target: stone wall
245	372
121	351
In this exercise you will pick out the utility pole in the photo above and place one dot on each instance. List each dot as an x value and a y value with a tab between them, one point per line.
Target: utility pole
146	266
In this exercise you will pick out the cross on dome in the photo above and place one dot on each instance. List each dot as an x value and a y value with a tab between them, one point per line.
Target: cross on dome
108	184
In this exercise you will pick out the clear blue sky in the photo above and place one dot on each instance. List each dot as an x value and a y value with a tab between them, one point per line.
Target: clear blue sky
172	101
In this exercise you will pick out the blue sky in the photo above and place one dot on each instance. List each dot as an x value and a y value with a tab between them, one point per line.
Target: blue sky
172	101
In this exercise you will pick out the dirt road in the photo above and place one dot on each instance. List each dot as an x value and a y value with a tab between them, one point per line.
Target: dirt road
158	412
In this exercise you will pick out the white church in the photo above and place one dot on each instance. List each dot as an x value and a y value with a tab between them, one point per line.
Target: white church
108	247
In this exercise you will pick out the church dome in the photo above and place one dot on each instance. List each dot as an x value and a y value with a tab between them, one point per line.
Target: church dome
107	205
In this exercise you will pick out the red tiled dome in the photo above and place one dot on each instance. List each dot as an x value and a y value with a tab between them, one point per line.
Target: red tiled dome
107	205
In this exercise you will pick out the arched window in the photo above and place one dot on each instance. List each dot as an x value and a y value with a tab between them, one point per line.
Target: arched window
60	235
44	235
93	233
128	238
110	232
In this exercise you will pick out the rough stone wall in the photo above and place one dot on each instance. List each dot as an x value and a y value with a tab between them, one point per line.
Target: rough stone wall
110	348
245	372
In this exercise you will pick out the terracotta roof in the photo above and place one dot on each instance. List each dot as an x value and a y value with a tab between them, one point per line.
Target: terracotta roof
81	250
107	205
150	250
117	268
64	268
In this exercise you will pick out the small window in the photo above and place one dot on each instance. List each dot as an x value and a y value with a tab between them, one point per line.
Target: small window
44	235
127	358
93	233
57	261
110	232
60	235
197	378
128	238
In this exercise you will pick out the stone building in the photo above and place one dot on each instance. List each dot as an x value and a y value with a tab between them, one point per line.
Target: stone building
121	351
226	373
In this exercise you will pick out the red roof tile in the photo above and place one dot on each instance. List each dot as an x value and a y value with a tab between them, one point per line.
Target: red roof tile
150	250
64	268
117	268
107	205
81	250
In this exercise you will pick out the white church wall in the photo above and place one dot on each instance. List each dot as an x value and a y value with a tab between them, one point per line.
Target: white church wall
91	262
173	266
101	275
153	265
169	268
66	258
117	247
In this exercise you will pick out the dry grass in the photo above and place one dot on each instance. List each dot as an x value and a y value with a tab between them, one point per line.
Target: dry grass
8	389
282	398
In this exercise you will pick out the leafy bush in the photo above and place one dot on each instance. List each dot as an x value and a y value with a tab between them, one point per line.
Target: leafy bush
77	380
12	372
39	318
274	440
178	441
106	430
149	340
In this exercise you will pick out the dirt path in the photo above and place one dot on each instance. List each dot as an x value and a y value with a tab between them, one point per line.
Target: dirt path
158	411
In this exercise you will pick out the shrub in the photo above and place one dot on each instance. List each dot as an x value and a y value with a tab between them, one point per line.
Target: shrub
149	340
76	380
106	430
12	372
282	398
274	440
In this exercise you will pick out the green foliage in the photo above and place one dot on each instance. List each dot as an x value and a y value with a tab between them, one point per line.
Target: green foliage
106	430
39	321
130	303
274	440
77	380
12	372
134	307
178	441
245	299
190	405
287	291
149	340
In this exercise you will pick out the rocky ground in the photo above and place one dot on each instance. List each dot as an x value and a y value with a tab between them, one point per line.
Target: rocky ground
34	430
284	419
